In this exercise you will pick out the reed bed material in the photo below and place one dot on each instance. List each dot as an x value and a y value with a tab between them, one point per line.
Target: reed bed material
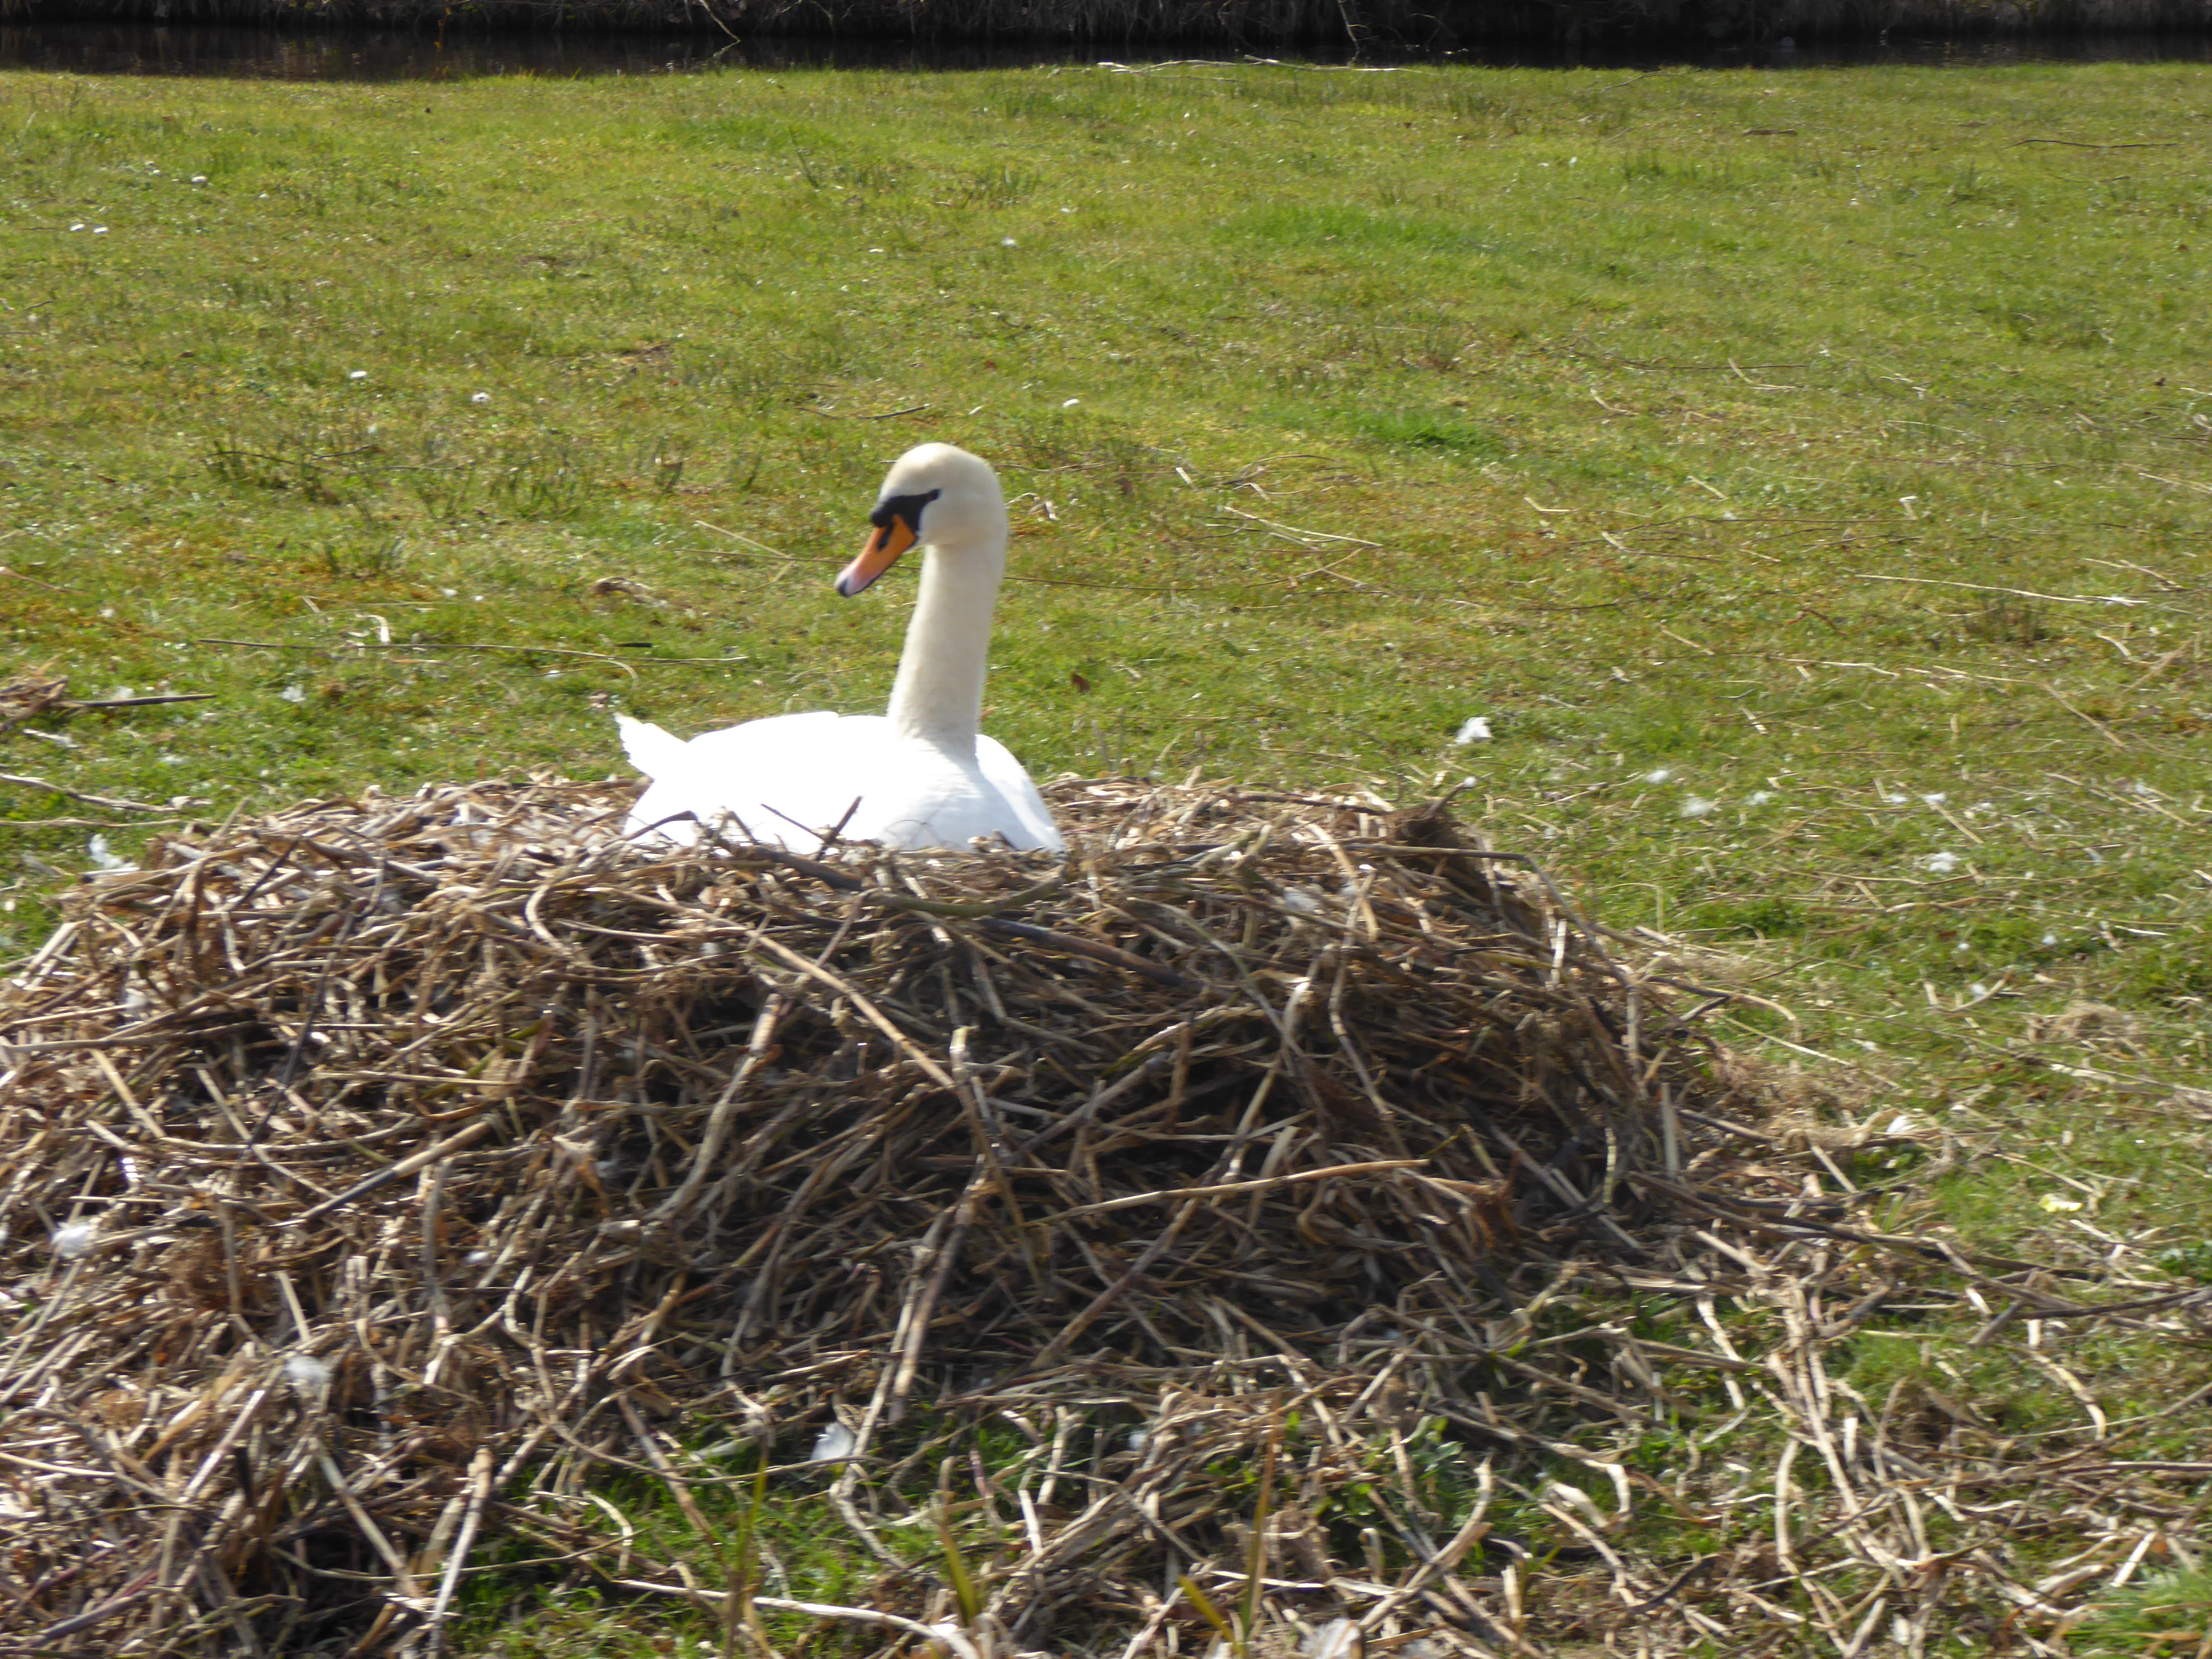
386	1176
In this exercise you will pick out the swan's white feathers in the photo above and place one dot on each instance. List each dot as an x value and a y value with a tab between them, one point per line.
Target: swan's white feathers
776	779
922	774
652	751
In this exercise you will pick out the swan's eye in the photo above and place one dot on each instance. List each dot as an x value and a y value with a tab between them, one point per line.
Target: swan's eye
908	508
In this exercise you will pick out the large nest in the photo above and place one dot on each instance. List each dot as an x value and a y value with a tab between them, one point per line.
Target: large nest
384	1173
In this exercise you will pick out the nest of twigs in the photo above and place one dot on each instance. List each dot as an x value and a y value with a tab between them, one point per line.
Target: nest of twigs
388	1177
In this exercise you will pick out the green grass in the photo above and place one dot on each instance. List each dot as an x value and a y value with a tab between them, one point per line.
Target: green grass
2162	1613
1810	476
530	1609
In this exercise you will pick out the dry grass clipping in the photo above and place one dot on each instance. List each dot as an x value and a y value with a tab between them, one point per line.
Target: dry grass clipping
385	1174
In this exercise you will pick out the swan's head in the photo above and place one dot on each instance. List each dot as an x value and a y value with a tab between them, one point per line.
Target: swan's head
943	498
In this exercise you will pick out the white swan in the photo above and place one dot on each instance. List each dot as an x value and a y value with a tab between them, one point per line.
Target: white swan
923	774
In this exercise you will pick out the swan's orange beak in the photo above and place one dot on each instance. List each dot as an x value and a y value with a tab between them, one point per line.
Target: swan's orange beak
878	553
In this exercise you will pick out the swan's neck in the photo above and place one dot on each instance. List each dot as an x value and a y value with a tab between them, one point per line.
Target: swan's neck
939	695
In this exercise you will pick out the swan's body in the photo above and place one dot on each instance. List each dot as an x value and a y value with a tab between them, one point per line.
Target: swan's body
788	781
922	774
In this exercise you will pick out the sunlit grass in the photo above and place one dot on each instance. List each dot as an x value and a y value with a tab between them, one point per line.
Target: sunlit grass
2162	1612
1808	476
532	1605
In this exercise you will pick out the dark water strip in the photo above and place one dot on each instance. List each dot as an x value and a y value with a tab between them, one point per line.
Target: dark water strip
250	53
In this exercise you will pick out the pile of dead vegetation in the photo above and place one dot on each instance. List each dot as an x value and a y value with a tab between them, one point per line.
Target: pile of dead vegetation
1337	1221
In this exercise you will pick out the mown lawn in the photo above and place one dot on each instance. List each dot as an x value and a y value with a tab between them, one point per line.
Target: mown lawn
1808	476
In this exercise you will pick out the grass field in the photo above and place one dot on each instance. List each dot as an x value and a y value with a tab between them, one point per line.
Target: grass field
1808	477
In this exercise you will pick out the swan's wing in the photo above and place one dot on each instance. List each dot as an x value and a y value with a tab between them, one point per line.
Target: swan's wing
808	770
791	777
771	775
788	779
913	793
1032	824
919	795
